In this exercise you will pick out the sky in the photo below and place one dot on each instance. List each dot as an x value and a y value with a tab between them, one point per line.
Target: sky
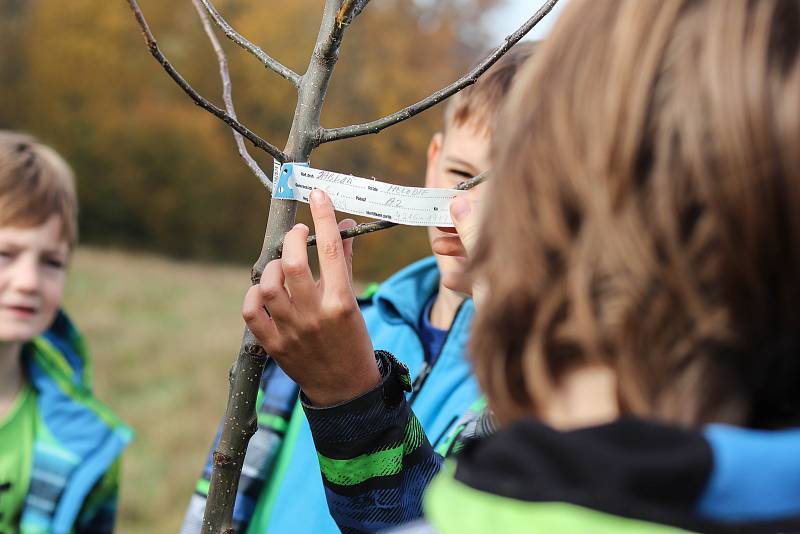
516	12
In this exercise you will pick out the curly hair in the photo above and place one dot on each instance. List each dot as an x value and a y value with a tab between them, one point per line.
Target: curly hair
650	215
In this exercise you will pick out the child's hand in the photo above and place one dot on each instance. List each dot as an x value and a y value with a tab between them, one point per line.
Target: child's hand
314	330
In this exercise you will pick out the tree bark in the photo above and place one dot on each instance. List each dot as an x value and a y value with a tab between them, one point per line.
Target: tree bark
240	415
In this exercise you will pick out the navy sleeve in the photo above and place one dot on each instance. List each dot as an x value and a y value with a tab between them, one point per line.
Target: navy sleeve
374	456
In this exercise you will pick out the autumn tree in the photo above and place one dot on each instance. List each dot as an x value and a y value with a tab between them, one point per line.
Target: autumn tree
138	148
306	133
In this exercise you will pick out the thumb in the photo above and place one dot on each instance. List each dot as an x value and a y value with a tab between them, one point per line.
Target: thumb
465	217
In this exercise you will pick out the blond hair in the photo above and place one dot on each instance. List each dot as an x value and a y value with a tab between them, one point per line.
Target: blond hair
650	214
477	105
35	184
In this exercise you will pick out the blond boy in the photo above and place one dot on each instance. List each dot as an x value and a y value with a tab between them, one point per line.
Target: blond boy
59	447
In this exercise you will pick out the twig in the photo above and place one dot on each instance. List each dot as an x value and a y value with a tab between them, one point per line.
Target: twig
227	95
349	10
475	181
374	226
152	45
359	229
236	37
326	135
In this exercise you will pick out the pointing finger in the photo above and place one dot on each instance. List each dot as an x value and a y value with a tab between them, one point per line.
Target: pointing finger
332	263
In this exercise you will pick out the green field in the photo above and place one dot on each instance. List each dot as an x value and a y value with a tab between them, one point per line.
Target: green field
163	335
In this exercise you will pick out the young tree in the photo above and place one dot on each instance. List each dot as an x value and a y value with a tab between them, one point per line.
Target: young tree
305	135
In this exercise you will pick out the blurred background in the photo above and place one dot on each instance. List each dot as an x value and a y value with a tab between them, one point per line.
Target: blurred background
170	216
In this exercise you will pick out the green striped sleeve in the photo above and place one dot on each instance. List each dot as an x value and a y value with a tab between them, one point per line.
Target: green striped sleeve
384	462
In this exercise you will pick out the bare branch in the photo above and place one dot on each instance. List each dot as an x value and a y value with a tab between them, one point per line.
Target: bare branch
227	95
360	229
475	181
327	135
349	10
375	226
152	45
236	37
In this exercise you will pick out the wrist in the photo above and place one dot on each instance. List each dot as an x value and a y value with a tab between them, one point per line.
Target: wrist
345	387
379	412
394	383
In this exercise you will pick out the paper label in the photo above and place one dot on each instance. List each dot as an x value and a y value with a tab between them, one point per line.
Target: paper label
413	206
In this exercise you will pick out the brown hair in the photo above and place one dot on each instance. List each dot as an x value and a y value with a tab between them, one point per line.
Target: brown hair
35	184
650	214
478	104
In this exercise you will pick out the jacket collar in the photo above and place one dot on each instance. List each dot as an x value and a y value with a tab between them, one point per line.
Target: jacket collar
404	295
644	470
68	344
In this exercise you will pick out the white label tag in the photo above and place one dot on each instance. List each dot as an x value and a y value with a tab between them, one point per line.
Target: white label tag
414	206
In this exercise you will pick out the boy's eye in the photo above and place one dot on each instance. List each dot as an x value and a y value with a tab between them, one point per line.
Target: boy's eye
461	173
54	263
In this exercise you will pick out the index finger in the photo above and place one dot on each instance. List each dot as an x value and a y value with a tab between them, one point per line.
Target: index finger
332	263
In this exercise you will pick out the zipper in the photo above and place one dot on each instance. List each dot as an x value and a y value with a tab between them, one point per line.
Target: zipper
421	378
427	367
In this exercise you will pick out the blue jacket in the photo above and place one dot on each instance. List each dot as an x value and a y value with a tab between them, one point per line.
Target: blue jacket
77	443
286	466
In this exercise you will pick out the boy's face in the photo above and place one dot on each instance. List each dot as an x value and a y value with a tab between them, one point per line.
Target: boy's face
463	152
32	273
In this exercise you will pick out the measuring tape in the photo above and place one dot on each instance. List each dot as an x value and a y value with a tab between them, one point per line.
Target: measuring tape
413	206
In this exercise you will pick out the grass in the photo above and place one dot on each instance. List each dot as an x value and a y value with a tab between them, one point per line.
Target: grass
163	335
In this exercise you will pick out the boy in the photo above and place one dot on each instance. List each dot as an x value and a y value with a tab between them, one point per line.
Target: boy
413	314
59	447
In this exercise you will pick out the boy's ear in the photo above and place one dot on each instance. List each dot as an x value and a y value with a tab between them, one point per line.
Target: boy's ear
434	150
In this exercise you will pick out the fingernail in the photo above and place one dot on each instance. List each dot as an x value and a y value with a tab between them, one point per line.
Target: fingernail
317	196
300	226
460	208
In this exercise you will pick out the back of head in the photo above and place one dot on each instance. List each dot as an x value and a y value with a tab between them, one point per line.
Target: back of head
650	215
478	105
35	185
